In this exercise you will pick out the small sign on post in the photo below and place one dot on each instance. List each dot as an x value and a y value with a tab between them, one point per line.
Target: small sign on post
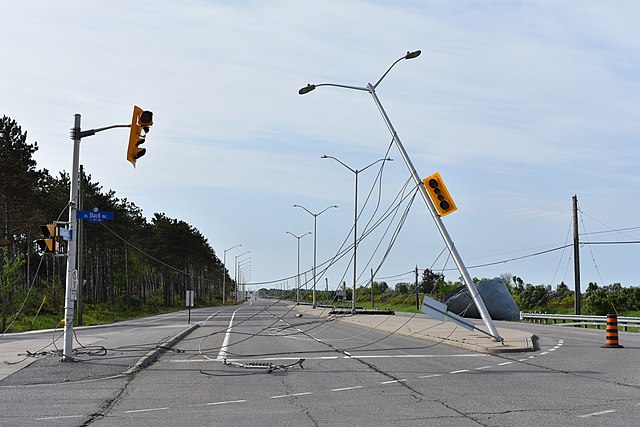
189	303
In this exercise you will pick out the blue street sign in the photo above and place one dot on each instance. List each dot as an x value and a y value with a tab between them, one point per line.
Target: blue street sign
94	215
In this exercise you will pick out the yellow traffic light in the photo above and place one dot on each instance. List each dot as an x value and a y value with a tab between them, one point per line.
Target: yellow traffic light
49	244
140	123
439	194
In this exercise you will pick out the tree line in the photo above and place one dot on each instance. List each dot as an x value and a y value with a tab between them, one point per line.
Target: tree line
128	262
597	300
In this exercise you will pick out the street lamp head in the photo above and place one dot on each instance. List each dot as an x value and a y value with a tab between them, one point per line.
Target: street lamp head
309	87
411	55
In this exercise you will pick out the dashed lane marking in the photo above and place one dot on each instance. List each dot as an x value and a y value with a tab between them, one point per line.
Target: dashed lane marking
135	411
394	381
594	414
290	395
224	402
348	388
61	417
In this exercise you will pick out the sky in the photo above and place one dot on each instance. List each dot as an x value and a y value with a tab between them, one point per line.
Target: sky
518	104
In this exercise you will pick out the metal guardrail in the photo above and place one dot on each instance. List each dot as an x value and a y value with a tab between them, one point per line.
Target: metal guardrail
600	322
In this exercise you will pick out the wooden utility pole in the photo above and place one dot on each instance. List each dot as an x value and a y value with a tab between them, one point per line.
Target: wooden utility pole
576	257
417	291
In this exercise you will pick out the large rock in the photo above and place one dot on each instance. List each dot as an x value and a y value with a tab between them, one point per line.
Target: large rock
494	294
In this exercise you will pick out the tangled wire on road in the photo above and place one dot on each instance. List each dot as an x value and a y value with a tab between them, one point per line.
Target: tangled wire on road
270	367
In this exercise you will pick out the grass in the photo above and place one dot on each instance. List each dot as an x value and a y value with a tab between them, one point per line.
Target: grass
92	315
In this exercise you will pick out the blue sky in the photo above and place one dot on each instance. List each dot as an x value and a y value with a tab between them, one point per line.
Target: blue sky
518	104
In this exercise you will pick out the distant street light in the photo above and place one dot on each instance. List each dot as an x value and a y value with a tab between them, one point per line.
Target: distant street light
298	276
356	172
236	273
315	233
224	273
371	88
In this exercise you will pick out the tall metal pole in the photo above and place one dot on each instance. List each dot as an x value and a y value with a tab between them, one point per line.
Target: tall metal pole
315	233
71	283
371	88
576	257
79	257
224	273
473	292
356	172
298	276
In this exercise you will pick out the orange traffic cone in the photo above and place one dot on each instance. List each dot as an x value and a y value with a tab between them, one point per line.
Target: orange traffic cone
611	339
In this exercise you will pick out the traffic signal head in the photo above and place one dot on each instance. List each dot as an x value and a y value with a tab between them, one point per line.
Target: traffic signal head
139	128
49	244
439	194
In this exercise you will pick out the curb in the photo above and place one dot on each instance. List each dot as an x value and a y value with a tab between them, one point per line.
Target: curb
153	355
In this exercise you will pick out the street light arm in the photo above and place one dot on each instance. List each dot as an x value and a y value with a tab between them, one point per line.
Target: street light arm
409	55
388	159
309	87
300	206
339	161
299	237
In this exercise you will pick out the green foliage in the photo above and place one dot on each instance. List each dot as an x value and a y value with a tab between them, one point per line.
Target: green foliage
129	264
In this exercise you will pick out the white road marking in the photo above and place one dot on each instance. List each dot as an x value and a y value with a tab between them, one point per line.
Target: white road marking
145	410
225	343
348	388
348	356
394	381
290	395
431	376
59	418
483	367
224	402
544	352
608	411
460	371
504	363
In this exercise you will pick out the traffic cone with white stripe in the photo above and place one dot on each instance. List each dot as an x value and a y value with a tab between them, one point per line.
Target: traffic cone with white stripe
611	339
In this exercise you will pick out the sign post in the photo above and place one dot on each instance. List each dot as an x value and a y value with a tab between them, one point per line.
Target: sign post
189	303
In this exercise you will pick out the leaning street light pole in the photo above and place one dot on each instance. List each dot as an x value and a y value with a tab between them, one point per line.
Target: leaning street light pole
224	272
356	172
371	88
315	233
298	276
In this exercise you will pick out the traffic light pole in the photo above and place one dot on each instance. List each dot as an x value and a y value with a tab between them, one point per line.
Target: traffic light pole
473	292
72	274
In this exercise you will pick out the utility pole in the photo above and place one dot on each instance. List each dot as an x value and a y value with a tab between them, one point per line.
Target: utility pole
372	297
80	234
576	257
417	294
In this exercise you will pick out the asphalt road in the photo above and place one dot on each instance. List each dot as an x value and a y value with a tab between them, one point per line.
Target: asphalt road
350	376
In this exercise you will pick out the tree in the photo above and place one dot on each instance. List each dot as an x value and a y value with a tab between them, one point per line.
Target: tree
9	278
19	181
430	281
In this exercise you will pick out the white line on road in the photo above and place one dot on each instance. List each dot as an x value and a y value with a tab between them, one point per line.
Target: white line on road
608	411
348	388
483	367
225	343
290	395
145	410
431	376
459	372
394	381
504	363
59	418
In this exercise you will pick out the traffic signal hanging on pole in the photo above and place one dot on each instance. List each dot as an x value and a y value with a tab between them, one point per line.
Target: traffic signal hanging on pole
439	194
49	244
140	123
